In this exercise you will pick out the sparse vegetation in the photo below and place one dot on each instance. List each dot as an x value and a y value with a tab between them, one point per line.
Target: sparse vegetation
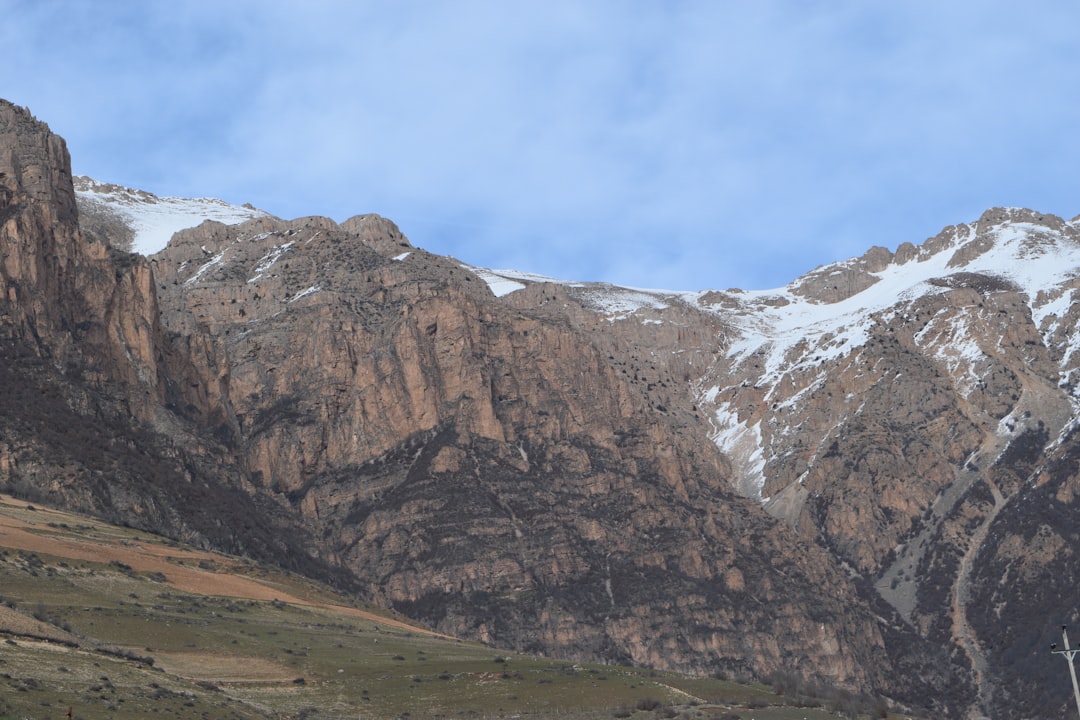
140	647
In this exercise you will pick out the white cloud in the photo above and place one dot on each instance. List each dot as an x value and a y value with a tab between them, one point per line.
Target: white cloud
685	144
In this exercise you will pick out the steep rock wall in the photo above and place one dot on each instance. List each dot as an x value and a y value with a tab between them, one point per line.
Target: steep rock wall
84	420
490	465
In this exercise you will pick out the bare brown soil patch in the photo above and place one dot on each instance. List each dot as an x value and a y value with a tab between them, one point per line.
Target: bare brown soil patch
29	530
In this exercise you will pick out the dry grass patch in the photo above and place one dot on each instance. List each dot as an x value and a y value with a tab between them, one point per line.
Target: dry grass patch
223	669
13	622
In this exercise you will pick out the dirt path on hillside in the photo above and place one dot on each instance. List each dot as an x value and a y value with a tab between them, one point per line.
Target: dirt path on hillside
1038	403
30	530
962	632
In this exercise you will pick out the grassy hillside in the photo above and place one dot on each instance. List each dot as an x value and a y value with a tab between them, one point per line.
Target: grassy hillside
112	623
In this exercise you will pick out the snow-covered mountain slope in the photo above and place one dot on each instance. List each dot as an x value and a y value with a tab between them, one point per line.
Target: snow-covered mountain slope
790	329
779	347
802	324
785	343
152	220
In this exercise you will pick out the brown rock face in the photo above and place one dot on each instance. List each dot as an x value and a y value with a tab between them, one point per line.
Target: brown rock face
63	292
83	413
518	470
40	236
868	478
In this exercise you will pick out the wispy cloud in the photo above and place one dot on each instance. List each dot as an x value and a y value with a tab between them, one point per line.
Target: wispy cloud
686	144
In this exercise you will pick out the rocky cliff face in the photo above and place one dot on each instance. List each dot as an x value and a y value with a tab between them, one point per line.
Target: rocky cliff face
514	469
84	410
829	479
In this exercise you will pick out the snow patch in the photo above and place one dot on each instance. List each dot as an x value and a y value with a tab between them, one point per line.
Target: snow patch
304	293
498	284
211	263
742	443
619	303
155	219
614	302
532	277
267	261
952	343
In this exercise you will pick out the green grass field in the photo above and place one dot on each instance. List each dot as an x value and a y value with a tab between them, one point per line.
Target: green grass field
125	643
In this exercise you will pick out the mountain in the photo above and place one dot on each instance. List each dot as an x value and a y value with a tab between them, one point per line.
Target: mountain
916	413
114	622
867	478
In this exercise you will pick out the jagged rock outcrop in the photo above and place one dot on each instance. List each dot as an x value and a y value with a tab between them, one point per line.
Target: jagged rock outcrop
39	229
67	295
867	478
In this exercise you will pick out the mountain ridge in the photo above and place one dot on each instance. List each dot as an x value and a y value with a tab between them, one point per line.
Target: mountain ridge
851	463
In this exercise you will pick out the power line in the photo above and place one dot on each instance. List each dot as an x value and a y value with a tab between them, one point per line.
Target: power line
1069	654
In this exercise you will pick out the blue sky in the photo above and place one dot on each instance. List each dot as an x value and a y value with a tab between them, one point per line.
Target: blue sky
664	144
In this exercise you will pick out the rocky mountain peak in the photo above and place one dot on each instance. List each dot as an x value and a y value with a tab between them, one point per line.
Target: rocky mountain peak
839	281
45	257
34	163
965	243
378	233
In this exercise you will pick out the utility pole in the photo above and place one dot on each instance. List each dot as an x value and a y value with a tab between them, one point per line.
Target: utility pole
1069	654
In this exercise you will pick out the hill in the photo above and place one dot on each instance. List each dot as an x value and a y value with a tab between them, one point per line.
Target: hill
113	622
